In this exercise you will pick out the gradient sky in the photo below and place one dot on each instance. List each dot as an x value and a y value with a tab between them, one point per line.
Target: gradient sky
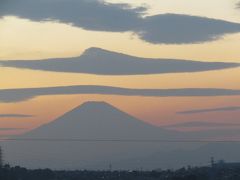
24	38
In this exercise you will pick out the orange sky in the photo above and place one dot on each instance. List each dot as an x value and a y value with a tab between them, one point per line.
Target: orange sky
157	111
25	39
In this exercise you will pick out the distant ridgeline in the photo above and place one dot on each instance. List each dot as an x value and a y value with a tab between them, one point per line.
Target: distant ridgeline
218	171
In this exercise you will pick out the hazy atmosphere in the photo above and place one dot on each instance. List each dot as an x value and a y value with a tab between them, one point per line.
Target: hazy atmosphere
170	67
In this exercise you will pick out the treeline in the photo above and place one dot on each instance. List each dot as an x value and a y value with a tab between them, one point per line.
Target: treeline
197	173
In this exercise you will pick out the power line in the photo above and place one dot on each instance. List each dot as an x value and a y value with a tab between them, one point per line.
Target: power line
121	140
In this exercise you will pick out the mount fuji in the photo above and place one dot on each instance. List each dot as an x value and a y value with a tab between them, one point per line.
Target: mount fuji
93	122
95	134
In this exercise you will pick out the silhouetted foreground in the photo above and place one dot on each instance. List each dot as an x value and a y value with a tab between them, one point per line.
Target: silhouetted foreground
197	173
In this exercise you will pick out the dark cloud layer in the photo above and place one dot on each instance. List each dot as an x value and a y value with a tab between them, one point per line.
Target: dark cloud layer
17	95
99	16
102	62
88	14
15	116
221	109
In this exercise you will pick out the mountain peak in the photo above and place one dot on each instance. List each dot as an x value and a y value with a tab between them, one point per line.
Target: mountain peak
93	105
87	103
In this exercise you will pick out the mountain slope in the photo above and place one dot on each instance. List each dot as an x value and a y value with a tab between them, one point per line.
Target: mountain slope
98	120
91	121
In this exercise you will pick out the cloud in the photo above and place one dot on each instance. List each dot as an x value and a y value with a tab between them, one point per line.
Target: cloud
17	95
15	116
199	124
11	129
103	62
238	5
101	16
87	14
180	29
221	109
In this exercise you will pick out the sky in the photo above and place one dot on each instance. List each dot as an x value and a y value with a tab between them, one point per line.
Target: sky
146	30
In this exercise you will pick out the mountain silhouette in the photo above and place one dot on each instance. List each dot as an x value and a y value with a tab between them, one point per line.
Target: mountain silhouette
98	120
103	62
95	134
90	121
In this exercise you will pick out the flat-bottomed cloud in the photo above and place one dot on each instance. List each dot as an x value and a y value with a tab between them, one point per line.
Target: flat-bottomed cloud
103	62
17	95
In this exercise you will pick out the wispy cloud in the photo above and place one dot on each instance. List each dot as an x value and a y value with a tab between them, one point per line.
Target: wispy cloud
11	129
101	16
221	109
17	95
15	116
103	62
199	124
